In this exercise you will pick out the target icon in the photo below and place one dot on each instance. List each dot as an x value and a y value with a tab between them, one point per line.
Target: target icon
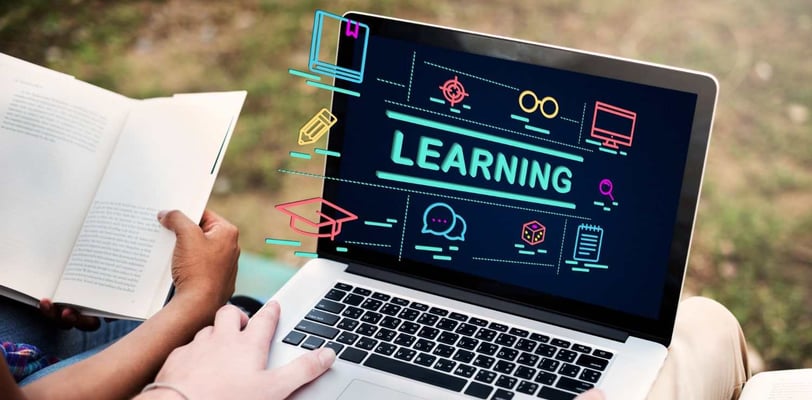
453	91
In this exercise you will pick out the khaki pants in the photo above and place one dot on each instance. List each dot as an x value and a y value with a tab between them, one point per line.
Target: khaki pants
707	359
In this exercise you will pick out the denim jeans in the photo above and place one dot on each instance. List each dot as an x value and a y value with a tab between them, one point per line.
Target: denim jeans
20	323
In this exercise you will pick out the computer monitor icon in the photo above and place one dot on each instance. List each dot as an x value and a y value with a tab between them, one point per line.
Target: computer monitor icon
613	125
324	64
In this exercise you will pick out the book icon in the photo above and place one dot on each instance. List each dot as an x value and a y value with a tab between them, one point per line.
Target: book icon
349	29
588	241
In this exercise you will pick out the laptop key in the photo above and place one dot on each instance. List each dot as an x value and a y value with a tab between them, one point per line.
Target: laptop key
353	312
581	348
443	350
487	348
438	311
366	343
347	338
428	333
467	343
484	361
539	337
409	327
385	334
371	317
294	338
445	365
592	362
485	376
353	299
502	394
409	314
330	306
366	329
519	332
569	370
478	321
505	339
464	356
525	372
371	304
545	378
343	286
424	345
405	354
400	301
560	343
428	319
507	354
507	382
590	375
390	322
381	296
419	306
316	329
457	316
362	291
415	372
528	359
323	317
337	347
335	295
425	359
348	324
504	367
404	340
448	338
465	371
525	345
603	354
498	327
466	329
479	390
390	309
385	348
545	350
447	324
549	364
573	385
527	387
549	393
485	334
352	354
312	343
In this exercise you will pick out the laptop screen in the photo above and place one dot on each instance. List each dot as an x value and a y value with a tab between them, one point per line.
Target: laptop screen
524	181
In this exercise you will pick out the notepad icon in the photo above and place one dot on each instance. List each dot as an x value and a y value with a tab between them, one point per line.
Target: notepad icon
588	241
322	63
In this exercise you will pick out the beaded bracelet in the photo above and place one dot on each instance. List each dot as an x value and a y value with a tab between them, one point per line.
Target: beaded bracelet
160	385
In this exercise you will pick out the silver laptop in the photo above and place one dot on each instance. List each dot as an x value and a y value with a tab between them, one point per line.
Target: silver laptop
499	220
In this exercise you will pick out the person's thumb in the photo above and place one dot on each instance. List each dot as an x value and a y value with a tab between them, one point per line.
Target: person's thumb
593	394
177	222
300	371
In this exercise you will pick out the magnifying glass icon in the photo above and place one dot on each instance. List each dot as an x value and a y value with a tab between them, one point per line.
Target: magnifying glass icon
605	188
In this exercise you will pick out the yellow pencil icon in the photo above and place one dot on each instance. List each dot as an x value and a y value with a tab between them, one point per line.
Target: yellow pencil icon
316	127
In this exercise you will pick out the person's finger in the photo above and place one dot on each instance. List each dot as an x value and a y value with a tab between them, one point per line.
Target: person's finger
177	222
88	323
262	325
214	226
204	333
592	394
301	370
48	309
229	318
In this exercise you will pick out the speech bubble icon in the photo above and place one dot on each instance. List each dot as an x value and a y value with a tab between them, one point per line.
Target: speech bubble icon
458	231
438	219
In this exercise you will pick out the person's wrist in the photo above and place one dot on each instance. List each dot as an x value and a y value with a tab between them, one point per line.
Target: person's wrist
162	391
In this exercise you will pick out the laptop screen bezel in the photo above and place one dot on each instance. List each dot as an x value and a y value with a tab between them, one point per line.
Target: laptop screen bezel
703	85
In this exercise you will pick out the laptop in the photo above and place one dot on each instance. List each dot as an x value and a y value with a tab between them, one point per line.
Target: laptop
500	219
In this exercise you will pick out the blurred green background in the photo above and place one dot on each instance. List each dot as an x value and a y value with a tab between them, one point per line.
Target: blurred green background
752	247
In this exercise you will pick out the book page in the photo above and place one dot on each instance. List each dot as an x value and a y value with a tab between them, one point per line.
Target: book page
56	136
794	384
165	159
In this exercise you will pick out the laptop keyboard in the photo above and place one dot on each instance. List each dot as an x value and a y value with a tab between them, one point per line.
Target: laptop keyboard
481	358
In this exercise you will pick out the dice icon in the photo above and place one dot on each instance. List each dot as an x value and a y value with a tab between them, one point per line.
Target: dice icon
533	233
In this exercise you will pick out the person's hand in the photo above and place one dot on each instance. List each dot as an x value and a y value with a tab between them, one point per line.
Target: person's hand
593	394
68	317
204	264
225	361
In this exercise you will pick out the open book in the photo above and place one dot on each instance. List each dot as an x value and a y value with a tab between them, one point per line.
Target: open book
83	175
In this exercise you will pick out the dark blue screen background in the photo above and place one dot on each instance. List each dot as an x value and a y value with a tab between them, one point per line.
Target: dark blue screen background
637	233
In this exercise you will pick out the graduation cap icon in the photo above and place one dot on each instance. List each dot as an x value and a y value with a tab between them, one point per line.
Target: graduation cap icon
297	209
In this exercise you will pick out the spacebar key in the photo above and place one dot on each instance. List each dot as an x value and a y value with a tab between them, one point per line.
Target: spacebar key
411	371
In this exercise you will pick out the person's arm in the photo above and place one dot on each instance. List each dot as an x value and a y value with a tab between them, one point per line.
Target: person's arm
204	268
226	361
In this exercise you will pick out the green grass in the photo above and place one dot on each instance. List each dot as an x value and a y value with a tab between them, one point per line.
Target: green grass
752	248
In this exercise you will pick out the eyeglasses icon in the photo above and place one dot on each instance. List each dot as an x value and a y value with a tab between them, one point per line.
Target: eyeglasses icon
605	188
538	104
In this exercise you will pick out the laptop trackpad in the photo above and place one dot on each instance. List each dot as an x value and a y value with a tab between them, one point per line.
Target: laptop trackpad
358	389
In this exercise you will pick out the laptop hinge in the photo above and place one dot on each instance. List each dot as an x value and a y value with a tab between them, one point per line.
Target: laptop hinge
489	302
